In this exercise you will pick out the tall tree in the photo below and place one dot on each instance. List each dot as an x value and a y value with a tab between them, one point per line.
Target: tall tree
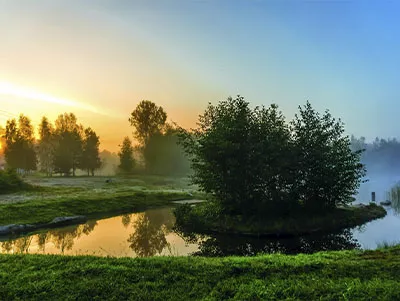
68	151
163	155
147	119
328	172
12	146
46	146
126	156
20	152
90	155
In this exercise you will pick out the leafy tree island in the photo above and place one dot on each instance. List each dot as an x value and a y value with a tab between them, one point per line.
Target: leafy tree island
268	177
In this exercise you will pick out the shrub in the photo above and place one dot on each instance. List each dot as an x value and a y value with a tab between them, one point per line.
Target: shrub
10	181
256	164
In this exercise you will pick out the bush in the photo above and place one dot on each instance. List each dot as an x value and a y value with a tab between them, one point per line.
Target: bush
256	164
10	181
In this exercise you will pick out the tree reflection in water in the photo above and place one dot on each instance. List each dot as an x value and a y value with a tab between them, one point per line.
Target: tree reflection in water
62	239
224	245
150	230
126	220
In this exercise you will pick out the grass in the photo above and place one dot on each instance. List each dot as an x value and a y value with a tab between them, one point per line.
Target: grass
200	219
387	245
344	275
91	197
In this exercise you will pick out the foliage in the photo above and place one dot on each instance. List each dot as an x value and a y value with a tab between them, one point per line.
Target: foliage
11	182
164	156
147	119
46	146
340	275
19	150
328	172
127	162
68	152
255	164
90	154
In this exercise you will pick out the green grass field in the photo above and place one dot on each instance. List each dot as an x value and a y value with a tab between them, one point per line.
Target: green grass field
90	196
345	275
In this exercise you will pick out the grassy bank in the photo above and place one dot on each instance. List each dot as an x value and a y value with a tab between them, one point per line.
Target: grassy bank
91	197
346	275
202	219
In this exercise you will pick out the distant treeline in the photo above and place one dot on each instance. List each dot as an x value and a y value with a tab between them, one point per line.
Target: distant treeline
379	156
61	148
67	146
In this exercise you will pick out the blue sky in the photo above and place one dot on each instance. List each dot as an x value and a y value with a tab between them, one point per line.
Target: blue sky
339	55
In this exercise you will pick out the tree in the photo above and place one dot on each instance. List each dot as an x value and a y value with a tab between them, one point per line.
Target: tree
328	172
147	119
126	156
237	155
257	165
12	145
90	155
46	146
19	152
163	155
68	152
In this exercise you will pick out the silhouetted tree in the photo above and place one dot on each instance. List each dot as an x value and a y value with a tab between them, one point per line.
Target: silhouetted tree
147	119
90	156
126	156
163	155
46	146
19	151
68	152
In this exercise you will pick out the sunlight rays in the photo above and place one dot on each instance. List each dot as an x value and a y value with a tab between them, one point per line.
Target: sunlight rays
9	89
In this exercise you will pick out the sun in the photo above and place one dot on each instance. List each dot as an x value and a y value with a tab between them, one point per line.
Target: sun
10	89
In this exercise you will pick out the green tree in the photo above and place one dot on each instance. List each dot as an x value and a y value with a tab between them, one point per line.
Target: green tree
126	156
238	155
68	152
147	120
328	172
90	155
46	146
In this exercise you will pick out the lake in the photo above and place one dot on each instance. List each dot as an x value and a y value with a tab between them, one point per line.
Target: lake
150	233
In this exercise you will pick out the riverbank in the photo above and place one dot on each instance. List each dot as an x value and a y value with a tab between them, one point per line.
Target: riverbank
200	219
89	197
344	275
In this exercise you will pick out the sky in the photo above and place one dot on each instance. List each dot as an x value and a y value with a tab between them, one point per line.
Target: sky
100	58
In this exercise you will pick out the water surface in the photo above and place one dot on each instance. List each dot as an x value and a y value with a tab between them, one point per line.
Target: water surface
151	233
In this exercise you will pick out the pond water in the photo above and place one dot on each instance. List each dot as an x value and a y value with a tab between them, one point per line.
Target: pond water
150	233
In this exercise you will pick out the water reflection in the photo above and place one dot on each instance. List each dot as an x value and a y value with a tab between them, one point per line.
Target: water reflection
138	235
62	239
394	196
151	233
148	238
225	245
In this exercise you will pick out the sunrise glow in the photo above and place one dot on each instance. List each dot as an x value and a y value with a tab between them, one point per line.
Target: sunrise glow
17	91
